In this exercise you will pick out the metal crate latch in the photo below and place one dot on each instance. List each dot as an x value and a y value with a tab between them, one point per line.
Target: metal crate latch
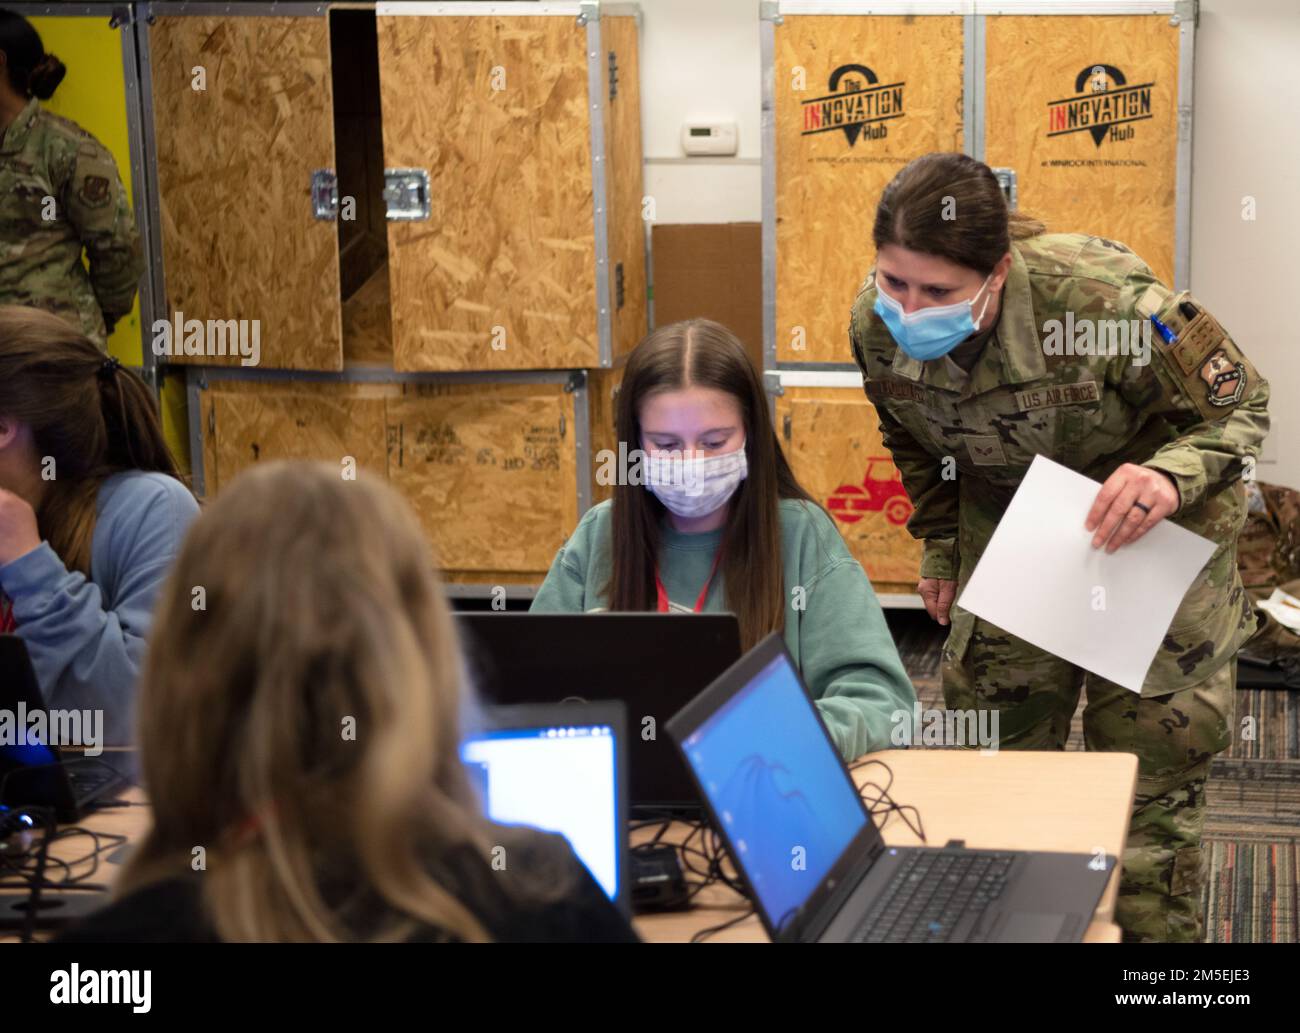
406	192
1007	181
325	194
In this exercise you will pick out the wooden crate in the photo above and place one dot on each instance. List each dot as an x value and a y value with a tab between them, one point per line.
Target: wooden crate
851	97
829	433
1047	76
497	466
532	255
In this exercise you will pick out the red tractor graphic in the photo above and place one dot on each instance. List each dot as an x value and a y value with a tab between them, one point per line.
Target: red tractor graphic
881	489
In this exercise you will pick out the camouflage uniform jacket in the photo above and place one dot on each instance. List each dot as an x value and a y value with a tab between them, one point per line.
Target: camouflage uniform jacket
59	192
1195	410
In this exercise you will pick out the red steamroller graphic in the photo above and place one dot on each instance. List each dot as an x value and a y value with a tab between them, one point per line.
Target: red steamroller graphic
881	489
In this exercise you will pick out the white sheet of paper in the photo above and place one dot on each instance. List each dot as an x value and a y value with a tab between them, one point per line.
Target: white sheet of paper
1041	579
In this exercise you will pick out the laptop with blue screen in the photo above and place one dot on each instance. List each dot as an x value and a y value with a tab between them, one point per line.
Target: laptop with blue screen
816	866
560	768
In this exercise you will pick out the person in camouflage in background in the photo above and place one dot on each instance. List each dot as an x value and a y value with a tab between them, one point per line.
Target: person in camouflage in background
60	192
968	395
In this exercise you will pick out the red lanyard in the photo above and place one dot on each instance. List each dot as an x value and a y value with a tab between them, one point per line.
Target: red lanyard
704	592
7	622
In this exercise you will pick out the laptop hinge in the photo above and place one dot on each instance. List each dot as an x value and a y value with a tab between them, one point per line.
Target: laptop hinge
834	904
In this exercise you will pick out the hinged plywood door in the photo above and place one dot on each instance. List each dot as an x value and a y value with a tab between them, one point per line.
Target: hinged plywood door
502	275
1085	109
855	99
235	161
830	437
624	184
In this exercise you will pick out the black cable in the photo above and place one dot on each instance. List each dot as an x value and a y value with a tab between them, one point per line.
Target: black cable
30	869
712	930
34	894
890	805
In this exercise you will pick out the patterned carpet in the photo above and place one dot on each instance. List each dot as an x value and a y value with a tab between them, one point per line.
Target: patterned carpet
1252	830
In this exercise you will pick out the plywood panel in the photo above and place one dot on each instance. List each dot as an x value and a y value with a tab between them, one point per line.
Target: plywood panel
1094	150
830	437
857	97
234	169
249	428
625	183
491	471
510	241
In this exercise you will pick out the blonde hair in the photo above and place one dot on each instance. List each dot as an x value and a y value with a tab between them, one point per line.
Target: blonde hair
301	603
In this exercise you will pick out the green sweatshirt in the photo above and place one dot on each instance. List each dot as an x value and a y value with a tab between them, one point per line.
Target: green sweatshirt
838	637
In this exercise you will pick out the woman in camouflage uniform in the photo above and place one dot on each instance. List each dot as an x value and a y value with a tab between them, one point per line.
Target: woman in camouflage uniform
60	193
967	395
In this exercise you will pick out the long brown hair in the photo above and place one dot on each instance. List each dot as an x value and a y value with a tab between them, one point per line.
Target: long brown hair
951	205
702	353
320	611
91	417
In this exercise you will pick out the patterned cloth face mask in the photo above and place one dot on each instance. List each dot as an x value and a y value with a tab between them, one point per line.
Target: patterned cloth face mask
695	487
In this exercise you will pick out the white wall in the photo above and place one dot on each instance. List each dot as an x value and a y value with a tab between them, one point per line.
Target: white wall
1246	143
700	59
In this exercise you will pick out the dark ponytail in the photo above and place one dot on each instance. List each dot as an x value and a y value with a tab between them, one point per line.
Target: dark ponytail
87	414
950	205
135	434
32	72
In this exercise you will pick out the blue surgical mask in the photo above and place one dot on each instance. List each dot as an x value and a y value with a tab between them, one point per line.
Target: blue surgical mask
930	333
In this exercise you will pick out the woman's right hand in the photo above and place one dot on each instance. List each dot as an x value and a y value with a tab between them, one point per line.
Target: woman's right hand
937	593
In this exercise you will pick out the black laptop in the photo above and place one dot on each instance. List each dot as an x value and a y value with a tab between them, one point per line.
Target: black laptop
653	662
817	867
37	774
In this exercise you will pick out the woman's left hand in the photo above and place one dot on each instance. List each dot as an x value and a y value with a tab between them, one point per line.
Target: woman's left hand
18	531
1131	502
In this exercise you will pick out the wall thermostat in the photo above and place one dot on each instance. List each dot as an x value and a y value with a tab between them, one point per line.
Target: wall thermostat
709	138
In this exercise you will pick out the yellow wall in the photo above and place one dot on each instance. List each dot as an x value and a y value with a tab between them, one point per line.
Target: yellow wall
93	94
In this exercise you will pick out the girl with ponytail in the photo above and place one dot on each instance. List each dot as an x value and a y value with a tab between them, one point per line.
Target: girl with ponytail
92	512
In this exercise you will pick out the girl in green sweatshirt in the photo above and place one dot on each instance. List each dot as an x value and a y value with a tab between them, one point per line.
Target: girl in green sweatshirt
707	516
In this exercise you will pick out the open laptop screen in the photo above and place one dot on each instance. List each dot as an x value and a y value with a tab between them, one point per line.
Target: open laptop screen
775	782
560	778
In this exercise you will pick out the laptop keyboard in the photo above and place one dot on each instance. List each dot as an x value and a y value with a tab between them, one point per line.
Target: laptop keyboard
86	781
934	894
